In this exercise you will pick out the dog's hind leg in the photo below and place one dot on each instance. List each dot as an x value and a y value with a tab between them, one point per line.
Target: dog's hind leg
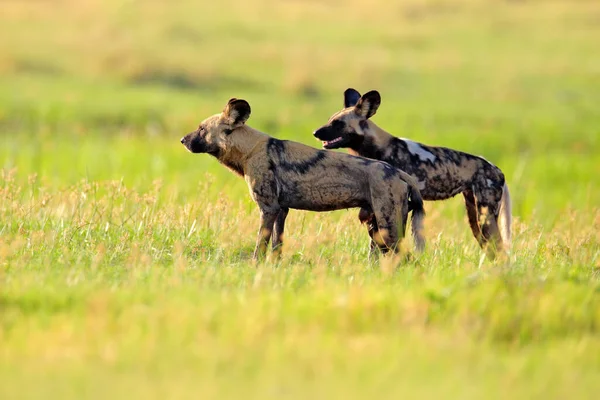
386	237
267	219
472	216
488	189
366	216
488	218
387	219
277	240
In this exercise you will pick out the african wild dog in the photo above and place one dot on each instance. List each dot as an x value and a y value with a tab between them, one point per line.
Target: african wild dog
441	172
283	174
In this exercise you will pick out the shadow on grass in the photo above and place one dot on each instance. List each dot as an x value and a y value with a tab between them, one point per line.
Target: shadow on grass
183	80
33	305
32	66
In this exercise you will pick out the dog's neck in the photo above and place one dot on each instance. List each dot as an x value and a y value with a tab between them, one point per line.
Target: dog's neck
374	143
239	147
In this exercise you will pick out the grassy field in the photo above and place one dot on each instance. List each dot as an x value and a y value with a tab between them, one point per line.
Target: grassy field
125	266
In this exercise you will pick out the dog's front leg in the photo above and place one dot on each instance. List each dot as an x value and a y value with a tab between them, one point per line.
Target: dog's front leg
278	231
267	219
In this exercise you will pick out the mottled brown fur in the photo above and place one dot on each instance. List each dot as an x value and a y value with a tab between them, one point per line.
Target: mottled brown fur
441	173
284	174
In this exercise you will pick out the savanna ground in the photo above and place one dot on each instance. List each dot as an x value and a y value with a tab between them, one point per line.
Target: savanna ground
125	265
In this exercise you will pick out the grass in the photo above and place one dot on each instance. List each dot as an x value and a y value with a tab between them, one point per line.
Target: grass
125	261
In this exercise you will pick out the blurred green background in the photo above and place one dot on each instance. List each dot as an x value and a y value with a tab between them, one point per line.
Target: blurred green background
105	89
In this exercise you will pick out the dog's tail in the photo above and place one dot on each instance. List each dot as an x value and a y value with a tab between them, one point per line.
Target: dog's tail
418	215
505	217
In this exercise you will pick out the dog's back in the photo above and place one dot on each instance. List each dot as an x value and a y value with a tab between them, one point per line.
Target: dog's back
321	180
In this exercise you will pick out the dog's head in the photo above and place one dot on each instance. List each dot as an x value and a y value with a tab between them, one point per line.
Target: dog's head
213	133
348	128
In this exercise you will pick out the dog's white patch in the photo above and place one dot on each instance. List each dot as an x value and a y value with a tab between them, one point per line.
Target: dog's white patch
486	160
490	182
418	150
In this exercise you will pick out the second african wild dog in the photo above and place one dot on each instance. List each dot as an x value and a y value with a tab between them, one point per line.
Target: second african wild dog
283	174
441	172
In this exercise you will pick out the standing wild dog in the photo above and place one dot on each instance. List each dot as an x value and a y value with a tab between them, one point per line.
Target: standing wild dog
283	174
441	172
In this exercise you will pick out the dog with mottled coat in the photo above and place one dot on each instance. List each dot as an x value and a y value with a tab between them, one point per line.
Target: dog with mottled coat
283	174
441	173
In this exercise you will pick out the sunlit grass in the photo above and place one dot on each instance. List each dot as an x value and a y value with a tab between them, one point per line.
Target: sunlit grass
104	277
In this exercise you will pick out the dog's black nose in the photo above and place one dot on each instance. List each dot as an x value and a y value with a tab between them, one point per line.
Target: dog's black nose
182	140
315	133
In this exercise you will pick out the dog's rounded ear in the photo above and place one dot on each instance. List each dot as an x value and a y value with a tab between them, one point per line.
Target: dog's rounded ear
236	112
351	97
368	104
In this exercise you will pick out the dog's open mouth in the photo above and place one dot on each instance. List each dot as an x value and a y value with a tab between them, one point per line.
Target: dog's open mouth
333	141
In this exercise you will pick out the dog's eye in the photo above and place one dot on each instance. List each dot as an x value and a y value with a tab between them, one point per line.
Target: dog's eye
338	125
